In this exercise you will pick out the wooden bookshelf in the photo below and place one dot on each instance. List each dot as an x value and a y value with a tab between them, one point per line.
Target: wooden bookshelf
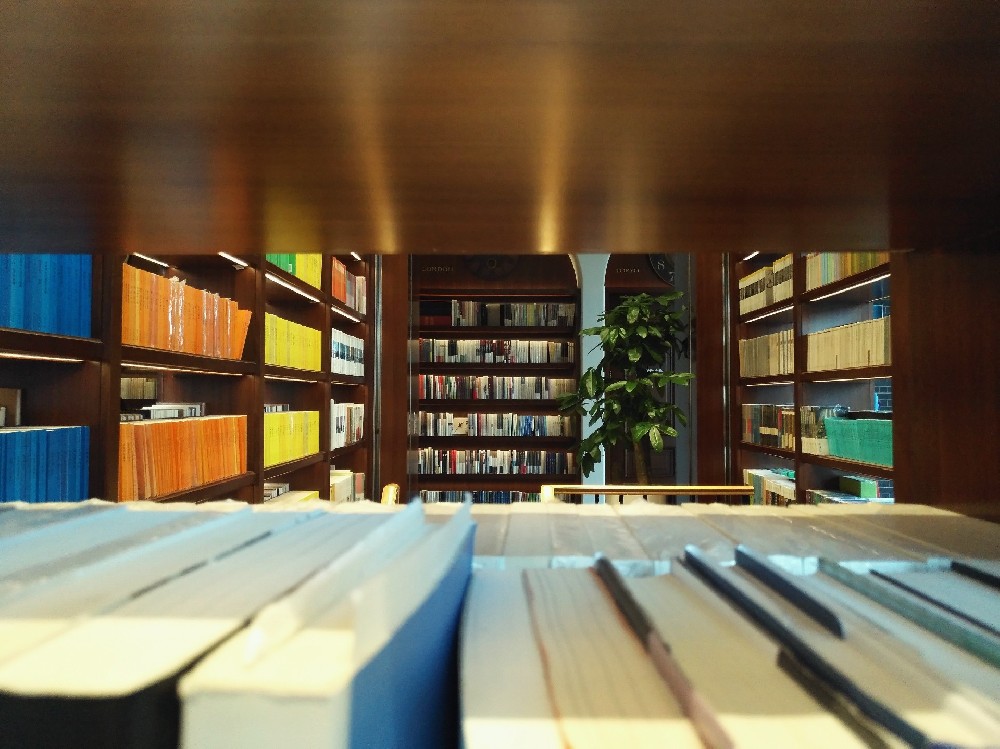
851	295
483	285
74	380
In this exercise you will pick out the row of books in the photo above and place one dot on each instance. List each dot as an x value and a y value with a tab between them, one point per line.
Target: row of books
156	458
307	266
225	625
289	344
347	354
487	387
347	423
862	344
274	489
164	410
482	351
826	267
289	435
767	285
767	355
44	464
167	313
467	313
346	485
479	497
348	288
140	388
864	440
448	424
768	424
436	461
813	426
770	486
46	293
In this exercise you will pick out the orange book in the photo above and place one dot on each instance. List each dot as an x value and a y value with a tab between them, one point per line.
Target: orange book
241	443
129	305
126	464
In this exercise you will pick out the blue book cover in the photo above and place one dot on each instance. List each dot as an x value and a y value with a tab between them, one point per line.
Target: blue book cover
18	263
83	463
58	456
4	290
84	293
5	463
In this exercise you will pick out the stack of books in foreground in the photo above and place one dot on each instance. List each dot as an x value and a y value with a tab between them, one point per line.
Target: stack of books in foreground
529	625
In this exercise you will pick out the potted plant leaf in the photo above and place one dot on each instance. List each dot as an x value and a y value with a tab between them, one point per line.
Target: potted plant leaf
624	395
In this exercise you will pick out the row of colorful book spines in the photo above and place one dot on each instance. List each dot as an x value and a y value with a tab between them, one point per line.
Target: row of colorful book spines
156	458
867	343
437	461
347	424
492	387
44	464
290	435
495	425
348	288
166	313
767	355
479	497
483	351
306	266
46	293
826	267
290	344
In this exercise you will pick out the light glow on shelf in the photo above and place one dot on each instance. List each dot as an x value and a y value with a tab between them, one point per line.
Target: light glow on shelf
288	379
751	256
280	282
345	314
774	312
850	288
232	259
182	370
356	256
151	259
768	384
38	357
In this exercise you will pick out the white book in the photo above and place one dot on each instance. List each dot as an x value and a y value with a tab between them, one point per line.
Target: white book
358	657
113	674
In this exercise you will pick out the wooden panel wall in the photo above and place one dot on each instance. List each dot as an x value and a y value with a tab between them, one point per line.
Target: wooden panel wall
946	391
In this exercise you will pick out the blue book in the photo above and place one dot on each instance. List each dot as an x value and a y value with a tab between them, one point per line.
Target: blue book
18	263
4	290
6	460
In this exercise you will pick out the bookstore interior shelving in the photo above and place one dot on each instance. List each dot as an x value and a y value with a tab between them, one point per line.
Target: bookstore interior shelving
812	406
174	361
494	344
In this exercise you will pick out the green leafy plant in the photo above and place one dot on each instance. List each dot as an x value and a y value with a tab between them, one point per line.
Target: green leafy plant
624	394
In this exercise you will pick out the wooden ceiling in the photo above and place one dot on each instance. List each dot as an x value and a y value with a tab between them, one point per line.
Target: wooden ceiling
464	126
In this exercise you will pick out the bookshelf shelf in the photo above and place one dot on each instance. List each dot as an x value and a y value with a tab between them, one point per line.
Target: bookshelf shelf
14	341
292	374
347	380
150	358
842	321
780	452
851	466
282	469
206	492
462	299
340	452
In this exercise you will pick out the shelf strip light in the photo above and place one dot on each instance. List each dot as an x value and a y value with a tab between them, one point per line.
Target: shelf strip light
774	312
768	384
356	256
182	370
280	282
39	357
151	259
849	288
341	312
287	379
854	379
751	256
232	259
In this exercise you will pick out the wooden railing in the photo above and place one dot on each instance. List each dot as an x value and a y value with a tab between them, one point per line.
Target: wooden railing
723	493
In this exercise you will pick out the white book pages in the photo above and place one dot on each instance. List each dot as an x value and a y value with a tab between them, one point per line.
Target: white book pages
973	679
603	686
298	692
734	666
955	535
900	680
110	654
23	517
52	606
664	530
505	700
57	564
